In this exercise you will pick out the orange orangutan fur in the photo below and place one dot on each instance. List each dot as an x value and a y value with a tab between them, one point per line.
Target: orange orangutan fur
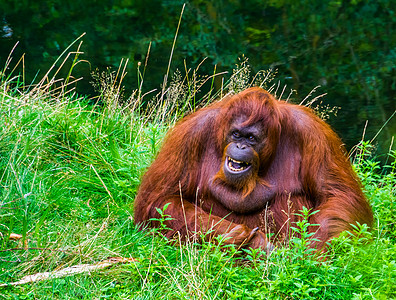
303	162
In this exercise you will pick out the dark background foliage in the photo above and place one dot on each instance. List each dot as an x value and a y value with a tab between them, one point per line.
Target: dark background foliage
348	47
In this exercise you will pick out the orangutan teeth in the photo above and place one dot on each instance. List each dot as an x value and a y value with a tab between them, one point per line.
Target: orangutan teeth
236	165
235	161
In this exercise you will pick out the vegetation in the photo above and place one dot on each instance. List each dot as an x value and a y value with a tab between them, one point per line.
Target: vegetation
347	47
69	171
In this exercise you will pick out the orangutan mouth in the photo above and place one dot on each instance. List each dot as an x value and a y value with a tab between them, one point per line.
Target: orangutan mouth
236	165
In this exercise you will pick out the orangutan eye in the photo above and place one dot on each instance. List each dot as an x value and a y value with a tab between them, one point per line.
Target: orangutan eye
252	138
236	134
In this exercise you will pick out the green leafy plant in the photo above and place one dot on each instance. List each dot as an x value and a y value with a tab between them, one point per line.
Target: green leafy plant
163	218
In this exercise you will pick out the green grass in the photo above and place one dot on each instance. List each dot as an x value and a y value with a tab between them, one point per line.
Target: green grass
69	171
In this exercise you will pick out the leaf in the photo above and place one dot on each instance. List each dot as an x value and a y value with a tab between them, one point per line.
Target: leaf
15	237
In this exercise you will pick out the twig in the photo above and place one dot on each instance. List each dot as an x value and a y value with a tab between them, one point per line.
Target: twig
35	248
69	271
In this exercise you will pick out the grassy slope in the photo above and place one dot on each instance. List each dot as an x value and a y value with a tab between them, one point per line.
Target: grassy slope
68	175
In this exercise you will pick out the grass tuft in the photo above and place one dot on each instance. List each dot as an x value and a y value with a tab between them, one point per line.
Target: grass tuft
69	171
